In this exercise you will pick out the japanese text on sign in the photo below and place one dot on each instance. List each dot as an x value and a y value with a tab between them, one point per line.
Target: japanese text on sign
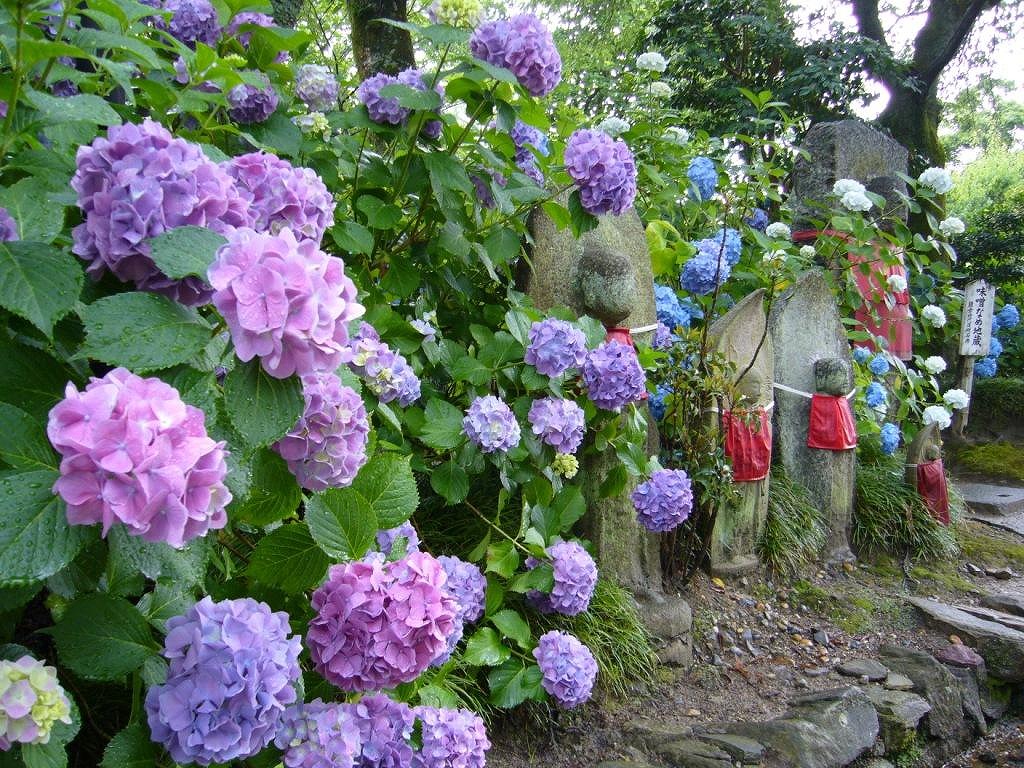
976	329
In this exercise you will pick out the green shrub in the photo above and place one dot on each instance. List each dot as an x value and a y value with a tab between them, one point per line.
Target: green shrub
998	401
794	531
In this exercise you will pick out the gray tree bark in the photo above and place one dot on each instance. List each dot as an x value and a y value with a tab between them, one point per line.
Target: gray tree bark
376	45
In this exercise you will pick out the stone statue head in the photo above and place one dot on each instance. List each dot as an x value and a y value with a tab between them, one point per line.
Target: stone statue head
606	281
832	376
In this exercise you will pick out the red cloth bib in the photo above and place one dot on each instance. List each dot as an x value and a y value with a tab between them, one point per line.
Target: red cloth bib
748	444
931	484
832	427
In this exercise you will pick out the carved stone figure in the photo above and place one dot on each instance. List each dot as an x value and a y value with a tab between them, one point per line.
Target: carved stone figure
926	473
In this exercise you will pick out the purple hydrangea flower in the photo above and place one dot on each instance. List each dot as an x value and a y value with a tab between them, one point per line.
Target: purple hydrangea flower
575	579
317	88
385	371
233	670
285	301
985	367
248	17
415	78
613	376
467	584
706	270
703	177
138	182
280	195
555	346
1009	316
381	109
604	169
527	138
386	538
250	104
133	452
31	702
385	727
558	422
663	502
568	669
428	331
879	365
890	437
318	735
192	21
8	227
663	337
490	424
379	624
327	446
451	738
758	219
874	395
523	45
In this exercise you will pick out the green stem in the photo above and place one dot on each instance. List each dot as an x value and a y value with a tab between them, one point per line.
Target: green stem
496	527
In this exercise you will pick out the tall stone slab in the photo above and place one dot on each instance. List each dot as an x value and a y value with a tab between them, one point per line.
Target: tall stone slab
740	337
812	354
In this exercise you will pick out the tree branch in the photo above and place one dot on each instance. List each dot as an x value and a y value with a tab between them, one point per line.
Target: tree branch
938	16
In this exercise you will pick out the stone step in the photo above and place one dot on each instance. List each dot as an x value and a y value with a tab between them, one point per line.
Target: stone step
1006	603
988	499
1013	523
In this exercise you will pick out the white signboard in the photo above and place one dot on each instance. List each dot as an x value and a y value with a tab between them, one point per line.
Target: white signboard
976	329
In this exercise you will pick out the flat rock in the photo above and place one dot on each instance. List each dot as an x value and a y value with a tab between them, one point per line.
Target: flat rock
988	499
959	655
1013	523
740	748
1001	646
623	764
651	734
900	708
690	753
1006	603
873	670
894	681
878	762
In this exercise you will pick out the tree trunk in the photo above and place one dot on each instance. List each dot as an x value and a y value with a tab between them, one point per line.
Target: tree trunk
376	45
913	120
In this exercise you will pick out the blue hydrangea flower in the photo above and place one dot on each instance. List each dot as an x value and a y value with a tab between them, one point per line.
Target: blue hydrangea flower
879	365
890	437
670	311
727	242
995	324
985	367
861	354
1009	316
995	347
555	346
490	424
527	139
703	177
657	401
758	219
874	395
699	273
663	337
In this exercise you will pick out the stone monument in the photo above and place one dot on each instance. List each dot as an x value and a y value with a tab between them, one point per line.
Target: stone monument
812	355
740	336
607	274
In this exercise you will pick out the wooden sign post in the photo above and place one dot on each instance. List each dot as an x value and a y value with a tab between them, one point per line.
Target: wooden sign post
975	337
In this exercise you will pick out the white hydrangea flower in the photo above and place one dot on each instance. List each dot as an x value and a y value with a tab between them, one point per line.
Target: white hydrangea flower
778	229
676	135
952	225
807	251
896	283
934	316
613	126
934	365
661	89
845	186
856	201
455	13
938	180
956	399
652	61
774	257
314	122
936	414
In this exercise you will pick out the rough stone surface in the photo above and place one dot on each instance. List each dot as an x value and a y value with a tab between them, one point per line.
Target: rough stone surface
740	748
737	336
1000	646
1013	523
828	729
959	655
988	499
623	764
690	753
651	734
844	149
806	328
899	713
873	670
971	697
1006	603
877	762
897	682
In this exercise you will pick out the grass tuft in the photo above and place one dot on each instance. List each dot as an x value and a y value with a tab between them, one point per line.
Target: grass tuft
794	531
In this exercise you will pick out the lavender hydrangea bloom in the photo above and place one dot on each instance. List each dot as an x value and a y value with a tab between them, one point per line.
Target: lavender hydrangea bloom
568	669
575	579
415	78
558	422
523	45
555	346
233	670
316	87
703	177
248	17
861	354
379	624
192	21
280	195
8	227
250	104
327	446
669	309
758	220
318	735
1009	316
890	437
138	182
706	270
467	584
604	170
985	367
382	110
526	137
385	371
385	727
490	424
284	301
665	501
451	738
613	376
663	337
31	702
133	452
879	365
874	395
387	537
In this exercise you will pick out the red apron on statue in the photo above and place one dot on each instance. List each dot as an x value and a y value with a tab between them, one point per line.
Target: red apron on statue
931	484
832	426
748	444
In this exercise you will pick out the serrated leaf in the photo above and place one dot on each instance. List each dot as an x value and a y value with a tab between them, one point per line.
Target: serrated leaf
166	601
142	332
513	683
502	558
569	505
442	427
156	560
353	237
288	558
38	282
35	538
388	486
186	251
261	407
485	649
24	444
273	494
341	522
131	748
49	755
451	481
514	627
39	219
100	637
